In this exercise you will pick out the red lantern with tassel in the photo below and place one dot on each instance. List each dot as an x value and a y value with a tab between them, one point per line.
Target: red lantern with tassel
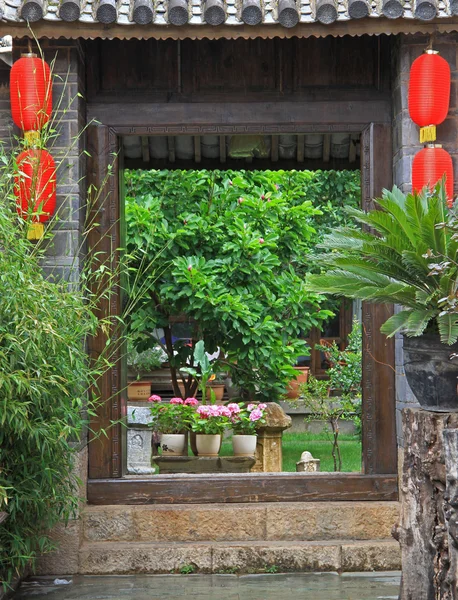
429	166
30	93
35	189
429	93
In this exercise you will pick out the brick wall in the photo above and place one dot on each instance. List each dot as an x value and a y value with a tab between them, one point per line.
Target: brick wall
406	144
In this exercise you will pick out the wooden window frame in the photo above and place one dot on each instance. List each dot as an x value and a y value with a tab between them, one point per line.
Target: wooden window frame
107	453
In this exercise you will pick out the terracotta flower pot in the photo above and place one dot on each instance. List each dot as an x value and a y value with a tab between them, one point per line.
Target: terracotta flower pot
218	388
173	444
244	445
208	445
292	390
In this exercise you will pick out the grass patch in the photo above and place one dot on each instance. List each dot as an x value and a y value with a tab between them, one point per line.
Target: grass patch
319	445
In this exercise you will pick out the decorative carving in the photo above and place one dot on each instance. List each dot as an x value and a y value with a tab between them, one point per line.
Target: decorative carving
106	11
426	10
32	10
326	11
178	12
251	12
143	12
358	9
70	10
165	129
214	12
392	9
287	13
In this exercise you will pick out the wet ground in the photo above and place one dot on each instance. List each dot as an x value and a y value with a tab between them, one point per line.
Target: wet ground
300	586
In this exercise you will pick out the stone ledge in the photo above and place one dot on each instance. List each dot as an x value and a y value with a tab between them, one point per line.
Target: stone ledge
239	557
301	521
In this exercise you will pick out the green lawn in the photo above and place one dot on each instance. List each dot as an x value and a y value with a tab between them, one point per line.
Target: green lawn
320	447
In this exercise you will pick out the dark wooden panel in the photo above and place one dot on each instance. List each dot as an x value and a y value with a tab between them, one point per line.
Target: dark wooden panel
103	247
239	487
228	65
379	423
267	117
136	64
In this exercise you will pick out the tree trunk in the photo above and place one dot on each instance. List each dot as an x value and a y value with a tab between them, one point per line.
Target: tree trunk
428	560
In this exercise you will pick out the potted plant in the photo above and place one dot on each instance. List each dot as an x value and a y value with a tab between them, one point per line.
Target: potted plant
139	366
171	421
209	422
245	420
293	389
209	383
407	256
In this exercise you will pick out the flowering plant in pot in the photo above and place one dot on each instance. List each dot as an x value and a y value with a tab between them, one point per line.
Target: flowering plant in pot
171	421
209	423
140	365
245	420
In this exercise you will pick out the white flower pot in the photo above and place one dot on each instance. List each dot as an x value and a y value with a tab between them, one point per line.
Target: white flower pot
208	445
244	445
173	444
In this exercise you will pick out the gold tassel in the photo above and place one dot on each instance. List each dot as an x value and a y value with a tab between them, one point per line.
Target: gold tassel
35	231
427	134
31	138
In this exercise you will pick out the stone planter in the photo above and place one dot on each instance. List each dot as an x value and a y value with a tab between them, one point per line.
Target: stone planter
173	444
293	391
208	445
244	445
431	372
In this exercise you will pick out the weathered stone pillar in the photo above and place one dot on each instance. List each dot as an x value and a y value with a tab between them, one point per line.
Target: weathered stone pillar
428	559
269	455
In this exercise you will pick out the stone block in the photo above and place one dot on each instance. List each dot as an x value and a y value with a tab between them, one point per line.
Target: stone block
121	558
108	523
138	415
200	523
370	556
139	445
286	557
331	520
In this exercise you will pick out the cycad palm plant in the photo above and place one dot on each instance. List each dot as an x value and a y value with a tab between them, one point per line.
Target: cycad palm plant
406	254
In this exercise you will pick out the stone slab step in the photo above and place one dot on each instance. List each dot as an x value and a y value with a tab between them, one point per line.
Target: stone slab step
121	558
276	521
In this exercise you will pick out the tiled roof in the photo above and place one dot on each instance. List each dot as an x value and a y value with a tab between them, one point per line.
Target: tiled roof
280	13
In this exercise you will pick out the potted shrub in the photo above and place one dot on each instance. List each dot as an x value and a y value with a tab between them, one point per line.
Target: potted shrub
209	422
407	256
171	420
245	420
293	389
139	366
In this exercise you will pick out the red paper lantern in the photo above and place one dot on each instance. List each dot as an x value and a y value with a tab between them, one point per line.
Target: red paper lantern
30	92
429	93
35	188
429	166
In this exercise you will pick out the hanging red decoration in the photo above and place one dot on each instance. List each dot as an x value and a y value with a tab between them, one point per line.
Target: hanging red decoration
35	188
30	93
429	93
429	166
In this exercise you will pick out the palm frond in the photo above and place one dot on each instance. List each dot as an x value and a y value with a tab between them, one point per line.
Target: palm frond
448	327
396	323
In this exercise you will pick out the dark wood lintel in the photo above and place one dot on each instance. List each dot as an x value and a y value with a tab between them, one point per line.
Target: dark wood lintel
250	487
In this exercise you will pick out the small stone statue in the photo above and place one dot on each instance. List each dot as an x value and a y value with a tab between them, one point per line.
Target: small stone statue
307	464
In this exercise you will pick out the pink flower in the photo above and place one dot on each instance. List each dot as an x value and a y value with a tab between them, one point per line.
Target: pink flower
154	398
262	406
234	408
176	401
261	240
240	200
191	402
251	407
203	411
255	415
263	197
230	182
214	411
189	267
226	411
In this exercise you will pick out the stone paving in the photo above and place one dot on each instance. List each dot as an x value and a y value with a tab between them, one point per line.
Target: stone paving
324	586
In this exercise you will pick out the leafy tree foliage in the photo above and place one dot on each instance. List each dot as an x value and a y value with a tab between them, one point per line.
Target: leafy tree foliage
234	250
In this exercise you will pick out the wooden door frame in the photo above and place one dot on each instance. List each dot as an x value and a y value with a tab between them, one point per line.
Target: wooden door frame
378	480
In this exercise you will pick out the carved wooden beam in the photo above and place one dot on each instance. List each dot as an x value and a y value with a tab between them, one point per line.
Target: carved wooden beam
392	9
178	12
358	9
425	10
106	11
214	12
287	13
32	10
70	10
326	11
251	12
143	12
